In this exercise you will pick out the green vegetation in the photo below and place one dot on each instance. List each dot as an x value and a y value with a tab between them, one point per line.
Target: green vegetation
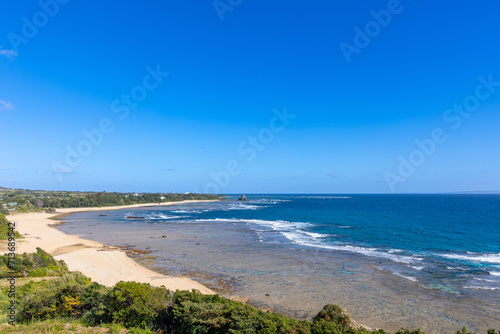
72	303
39	264
69	326
133	305
4	229
40	200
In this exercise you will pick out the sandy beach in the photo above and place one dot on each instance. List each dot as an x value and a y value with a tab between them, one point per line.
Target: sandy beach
100	263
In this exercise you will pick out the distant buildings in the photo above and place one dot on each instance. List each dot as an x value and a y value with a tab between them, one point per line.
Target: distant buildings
10	206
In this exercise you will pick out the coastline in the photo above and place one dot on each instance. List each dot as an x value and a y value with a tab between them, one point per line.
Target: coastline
103	264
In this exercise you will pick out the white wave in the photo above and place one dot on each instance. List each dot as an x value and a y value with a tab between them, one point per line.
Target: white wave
268	201
486	280
494	273
315	235
216	220
418	267
344	226
244	207
182	211
484	258
303	239
410	278
455	268
481	287
275	225
153	217
293	232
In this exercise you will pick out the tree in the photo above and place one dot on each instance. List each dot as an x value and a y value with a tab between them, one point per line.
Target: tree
38	203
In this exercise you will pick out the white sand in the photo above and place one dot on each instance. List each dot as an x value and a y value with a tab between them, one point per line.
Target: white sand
104	266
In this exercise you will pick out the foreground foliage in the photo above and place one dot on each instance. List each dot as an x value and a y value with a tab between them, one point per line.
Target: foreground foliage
70	326
72	300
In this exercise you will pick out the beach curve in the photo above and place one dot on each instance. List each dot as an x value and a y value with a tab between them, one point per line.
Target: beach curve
102	264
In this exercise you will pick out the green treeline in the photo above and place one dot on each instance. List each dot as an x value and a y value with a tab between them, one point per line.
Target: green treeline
110	199
40	200
142	308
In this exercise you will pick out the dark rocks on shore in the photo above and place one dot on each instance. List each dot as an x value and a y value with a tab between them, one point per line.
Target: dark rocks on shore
242	198
132	217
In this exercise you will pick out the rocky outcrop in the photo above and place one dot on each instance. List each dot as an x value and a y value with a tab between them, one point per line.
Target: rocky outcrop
242	198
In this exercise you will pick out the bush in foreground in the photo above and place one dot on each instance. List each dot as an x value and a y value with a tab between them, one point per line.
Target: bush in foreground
135	305
49	299
193	312
145	309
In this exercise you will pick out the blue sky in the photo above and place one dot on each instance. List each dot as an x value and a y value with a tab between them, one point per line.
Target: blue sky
250	96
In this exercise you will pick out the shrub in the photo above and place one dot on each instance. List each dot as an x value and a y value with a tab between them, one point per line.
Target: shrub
462	331
334	314
135	305
193	312
322	326
37	264
94	300
4	228
50	299
405	331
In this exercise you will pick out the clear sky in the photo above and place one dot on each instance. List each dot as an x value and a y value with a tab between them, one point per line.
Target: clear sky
240	96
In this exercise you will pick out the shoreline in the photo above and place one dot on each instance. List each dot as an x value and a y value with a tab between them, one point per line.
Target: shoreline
103	264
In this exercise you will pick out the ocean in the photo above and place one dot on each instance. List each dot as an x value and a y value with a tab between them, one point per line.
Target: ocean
426	261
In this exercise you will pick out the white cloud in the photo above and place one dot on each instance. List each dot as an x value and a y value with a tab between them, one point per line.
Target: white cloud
8	53
6	105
